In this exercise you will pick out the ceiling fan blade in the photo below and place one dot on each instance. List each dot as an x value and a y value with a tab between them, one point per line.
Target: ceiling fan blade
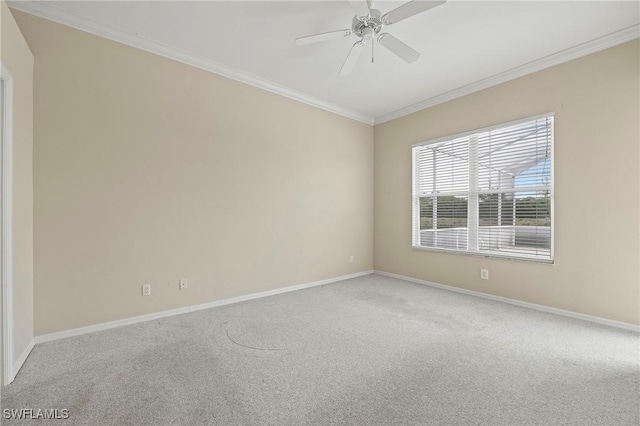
397	47
315	38
360	7
410	9
352	57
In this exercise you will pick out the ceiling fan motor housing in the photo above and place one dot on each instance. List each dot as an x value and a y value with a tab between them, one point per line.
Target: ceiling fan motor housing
367	25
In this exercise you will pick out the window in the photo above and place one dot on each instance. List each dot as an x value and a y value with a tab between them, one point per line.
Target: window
487	192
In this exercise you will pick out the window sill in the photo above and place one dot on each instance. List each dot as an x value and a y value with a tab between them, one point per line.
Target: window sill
489	255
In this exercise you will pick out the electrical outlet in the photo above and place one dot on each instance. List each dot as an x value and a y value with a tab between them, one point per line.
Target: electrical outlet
484	274
183	283
146	290
350	259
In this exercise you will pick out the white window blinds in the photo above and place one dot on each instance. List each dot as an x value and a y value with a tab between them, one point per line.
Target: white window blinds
487	192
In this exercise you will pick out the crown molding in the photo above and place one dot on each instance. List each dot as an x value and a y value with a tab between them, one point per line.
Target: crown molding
53	13
575	52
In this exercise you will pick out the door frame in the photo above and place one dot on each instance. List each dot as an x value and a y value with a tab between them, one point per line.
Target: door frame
6	139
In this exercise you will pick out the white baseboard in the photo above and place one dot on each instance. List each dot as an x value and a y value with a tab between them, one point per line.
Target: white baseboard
193	308
275	291
548	309
108	325
185	310
20	361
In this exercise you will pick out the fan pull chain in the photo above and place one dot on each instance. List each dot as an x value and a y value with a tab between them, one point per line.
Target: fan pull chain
373	43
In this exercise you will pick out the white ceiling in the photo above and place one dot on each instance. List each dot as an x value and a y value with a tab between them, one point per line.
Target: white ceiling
465	45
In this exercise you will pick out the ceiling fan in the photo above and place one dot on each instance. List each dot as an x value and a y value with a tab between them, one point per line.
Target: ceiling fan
367	24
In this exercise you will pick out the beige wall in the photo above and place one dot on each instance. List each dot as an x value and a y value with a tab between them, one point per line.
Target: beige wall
596	187
148	171
15	55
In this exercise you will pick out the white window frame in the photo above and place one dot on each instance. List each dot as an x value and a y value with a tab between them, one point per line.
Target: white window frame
415	197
